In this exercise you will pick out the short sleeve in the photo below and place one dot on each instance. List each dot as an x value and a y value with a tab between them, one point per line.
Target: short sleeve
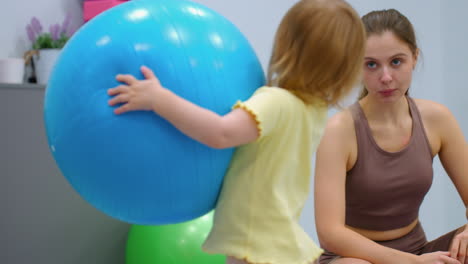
266	106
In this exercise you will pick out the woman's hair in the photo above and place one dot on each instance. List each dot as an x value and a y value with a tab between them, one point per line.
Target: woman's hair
318	51
379	22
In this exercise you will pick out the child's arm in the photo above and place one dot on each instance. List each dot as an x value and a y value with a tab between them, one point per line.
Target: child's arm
233	129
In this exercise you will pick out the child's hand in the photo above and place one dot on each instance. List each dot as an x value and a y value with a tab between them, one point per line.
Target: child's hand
135	94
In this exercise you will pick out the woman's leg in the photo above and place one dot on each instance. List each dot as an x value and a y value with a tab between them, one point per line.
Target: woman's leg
331	258
327	257
412	242
442	243
349	261
231	260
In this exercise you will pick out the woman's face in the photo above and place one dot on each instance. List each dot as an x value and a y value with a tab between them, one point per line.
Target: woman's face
388	67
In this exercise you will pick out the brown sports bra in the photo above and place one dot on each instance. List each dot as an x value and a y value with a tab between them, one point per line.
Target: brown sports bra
384	190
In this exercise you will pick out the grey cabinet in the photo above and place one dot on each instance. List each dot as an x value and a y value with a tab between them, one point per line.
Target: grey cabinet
42	219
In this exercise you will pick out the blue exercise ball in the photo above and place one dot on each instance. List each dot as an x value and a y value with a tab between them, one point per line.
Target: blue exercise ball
136	167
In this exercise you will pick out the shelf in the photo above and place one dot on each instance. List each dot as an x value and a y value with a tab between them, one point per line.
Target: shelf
21	86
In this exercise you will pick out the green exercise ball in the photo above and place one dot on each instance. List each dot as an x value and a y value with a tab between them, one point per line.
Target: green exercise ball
171	244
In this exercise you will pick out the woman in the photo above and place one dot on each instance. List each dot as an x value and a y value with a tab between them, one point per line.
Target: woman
370	184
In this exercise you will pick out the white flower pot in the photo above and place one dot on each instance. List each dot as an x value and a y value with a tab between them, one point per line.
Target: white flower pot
44	62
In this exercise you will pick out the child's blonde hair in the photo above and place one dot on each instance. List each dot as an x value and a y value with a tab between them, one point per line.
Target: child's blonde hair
318	51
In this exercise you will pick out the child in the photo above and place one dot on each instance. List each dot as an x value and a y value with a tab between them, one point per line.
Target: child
316	60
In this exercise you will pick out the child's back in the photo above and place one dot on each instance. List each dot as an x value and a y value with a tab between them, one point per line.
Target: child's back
268	183
316	61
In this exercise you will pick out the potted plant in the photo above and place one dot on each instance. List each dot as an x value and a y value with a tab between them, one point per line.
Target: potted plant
46	46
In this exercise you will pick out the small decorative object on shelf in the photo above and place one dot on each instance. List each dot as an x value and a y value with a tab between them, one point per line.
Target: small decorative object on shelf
11	70
92	8
46	46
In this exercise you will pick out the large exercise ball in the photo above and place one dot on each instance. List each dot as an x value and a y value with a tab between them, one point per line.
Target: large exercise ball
171	244
137	167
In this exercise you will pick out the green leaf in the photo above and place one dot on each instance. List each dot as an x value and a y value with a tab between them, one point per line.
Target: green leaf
45	41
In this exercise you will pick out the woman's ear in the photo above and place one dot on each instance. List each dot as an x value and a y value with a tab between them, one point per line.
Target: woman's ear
415	58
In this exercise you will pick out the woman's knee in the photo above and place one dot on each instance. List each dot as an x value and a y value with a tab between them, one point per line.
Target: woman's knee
349	261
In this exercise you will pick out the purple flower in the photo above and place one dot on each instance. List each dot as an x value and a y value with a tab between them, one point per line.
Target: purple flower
55	31
65	30
36	25
31	35
72	30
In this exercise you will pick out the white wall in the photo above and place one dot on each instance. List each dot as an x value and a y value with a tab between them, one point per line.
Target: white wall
455	57
441	27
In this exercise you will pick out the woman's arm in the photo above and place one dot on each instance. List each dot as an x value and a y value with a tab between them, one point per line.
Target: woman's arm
453	151
233	129
453	155
331	165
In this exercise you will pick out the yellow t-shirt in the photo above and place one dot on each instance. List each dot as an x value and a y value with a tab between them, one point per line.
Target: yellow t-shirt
267	184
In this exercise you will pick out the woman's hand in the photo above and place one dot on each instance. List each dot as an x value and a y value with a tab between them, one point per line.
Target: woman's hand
135	94
459	247
439	257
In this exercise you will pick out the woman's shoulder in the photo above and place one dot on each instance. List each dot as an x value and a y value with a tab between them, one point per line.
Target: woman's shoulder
438	120
432	111
339	137
340	124
342	119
